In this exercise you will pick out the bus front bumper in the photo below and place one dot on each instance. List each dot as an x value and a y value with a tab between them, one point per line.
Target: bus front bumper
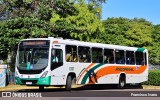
33	81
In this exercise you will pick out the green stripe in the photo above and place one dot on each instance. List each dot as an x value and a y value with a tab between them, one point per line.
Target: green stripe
86	75
140	49
80	73
44	81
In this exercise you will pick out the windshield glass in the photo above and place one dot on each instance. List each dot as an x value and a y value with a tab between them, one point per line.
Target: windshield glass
33	58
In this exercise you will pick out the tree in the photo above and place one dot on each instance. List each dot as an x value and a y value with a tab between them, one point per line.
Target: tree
96	6
155	55
135	32
132	32
31	18
2	11
81	25
41	9
13	30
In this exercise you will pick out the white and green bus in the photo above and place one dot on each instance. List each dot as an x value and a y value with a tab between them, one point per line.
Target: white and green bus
64	62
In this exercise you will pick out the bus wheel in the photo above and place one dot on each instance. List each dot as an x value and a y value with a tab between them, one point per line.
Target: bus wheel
41	88
68	83
122	82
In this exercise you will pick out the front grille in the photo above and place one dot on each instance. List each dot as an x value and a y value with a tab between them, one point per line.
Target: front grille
38	71
33	81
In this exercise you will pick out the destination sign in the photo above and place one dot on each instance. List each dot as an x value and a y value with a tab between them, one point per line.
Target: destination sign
29	43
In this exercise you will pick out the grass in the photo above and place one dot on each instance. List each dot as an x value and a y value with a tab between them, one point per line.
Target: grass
150	87
13	87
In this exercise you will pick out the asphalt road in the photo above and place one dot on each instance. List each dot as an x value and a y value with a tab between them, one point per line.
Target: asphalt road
96	92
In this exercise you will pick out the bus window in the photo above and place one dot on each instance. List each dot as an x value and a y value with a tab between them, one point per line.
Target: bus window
97	56
130	58
139	58
119	56
84	54
71	53
109	56
56	58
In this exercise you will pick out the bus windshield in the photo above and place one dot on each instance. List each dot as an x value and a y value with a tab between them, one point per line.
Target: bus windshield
32	58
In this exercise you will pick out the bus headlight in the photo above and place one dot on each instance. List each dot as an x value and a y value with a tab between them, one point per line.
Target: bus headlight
44	74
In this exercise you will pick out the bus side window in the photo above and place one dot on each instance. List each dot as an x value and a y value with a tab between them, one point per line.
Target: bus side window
68	57
120	58
109	56
97	56
71	53
139	58
130	58
84	54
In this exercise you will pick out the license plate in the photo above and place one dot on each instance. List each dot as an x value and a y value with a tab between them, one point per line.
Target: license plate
28	83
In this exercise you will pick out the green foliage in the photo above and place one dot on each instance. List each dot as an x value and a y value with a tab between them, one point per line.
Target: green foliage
153	78
76	19
41	9
64	7
13	30
82	25
31	19
156	45
122	31
133	32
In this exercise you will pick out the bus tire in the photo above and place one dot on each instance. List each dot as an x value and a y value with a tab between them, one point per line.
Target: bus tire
68	83
122	82
41	88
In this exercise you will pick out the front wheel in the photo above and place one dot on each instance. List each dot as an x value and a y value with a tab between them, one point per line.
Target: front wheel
68	83
122	82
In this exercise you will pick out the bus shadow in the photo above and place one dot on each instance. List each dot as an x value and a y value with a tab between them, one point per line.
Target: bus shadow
107	87
45	90
84	87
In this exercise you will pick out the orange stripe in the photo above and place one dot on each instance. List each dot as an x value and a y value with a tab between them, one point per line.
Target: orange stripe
112	70
85	71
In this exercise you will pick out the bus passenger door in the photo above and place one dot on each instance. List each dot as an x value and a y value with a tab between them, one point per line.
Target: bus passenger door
57	61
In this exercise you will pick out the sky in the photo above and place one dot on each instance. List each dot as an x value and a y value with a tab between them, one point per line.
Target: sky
147	9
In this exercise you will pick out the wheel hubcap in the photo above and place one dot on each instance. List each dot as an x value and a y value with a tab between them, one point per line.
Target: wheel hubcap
122	83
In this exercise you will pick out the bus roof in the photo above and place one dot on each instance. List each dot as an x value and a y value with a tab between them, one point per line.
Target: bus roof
90	44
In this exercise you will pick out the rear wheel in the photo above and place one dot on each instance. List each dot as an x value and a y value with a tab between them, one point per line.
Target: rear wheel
122	82
68	83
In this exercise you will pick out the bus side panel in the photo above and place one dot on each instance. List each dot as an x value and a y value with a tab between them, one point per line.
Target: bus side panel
58	80
108	79
111	73
58	76
137	78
